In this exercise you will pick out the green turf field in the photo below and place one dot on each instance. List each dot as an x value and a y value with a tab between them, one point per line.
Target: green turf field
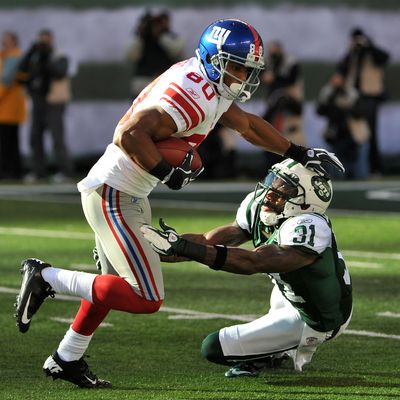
157	356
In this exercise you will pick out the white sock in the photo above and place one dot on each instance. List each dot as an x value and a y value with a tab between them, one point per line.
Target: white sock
70	282
73	345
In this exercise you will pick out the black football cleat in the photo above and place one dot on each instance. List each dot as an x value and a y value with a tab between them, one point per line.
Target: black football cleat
34	290
76	372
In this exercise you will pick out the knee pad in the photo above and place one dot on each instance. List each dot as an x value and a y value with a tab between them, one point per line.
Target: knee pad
211	349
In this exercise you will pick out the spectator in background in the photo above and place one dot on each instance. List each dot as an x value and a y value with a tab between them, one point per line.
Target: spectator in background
363	68
284	94
153	50
12	107
346	130
44	70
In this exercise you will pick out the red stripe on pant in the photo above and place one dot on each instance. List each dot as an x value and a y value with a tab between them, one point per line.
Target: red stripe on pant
152	283
118	240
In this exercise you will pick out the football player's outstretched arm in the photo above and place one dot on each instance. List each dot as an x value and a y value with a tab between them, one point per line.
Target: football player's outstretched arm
261	133
255	130
267	258
228	235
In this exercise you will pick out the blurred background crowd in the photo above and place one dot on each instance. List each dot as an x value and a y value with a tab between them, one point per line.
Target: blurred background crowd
38	82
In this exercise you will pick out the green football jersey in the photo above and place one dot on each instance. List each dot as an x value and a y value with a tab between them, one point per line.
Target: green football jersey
322	291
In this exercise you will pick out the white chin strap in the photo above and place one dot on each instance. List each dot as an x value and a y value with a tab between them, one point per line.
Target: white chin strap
269	218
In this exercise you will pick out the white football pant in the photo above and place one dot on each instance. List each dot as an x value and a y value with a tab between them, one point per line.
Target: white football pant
280	331
116	218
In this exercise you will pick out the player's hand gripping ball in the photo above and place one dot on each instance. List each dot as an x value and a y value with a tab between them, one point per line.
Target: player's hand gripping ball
174	151
184	160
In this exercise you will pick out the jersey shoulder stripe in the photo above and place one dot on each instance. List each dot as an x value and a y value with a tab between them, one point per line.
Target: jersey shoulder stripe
177	107
188	108
191	100
182	106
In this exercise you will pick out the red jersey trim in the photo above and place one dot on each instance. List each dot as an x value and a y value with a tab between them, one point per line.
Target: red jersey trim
179	99
190	99
176	106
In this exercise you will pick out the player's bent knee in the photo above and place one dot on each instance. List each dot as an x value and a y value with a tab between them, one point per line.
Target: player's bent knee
211	349
117	294
153	306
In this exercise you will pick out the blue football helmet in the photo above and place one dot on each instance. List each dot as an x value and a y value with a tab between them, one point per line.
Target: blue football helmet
231	40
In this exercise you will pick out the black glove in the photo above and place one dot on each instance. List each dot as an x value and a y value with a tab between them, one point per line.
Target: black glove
314	159
176	177
165	241
168	243
96	258
183	175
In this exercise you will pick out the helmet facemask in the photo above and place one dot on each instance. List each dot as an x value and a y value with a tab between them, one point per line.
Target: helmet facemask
241	90
279	195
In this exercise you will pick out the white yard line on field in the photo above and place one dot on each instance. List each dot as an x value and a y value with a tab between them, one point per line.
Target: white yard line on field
5	230
70	320
388	314
181	313
4	289
371	334
192	314
371	254
363	264
188	204
45	233
84	267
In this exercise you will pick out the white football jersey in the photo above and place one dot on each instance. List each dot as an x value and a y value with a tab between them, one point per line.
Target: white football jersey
185	94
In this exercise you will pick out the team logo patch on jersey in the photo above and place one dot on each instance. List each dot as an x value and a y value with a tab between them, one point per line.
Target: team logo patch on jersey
321	188
193	93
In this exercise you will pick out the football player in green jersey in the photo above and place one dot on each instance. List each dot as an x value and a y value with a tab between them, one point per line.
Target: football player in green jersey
294	244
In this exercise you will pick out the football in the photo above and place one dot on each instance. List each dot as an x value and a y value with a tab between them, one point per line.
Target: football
174	151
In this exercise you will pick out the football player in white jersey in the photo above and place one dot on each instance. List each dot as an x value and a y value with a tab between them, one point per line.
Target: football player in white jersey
311	301
186	101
